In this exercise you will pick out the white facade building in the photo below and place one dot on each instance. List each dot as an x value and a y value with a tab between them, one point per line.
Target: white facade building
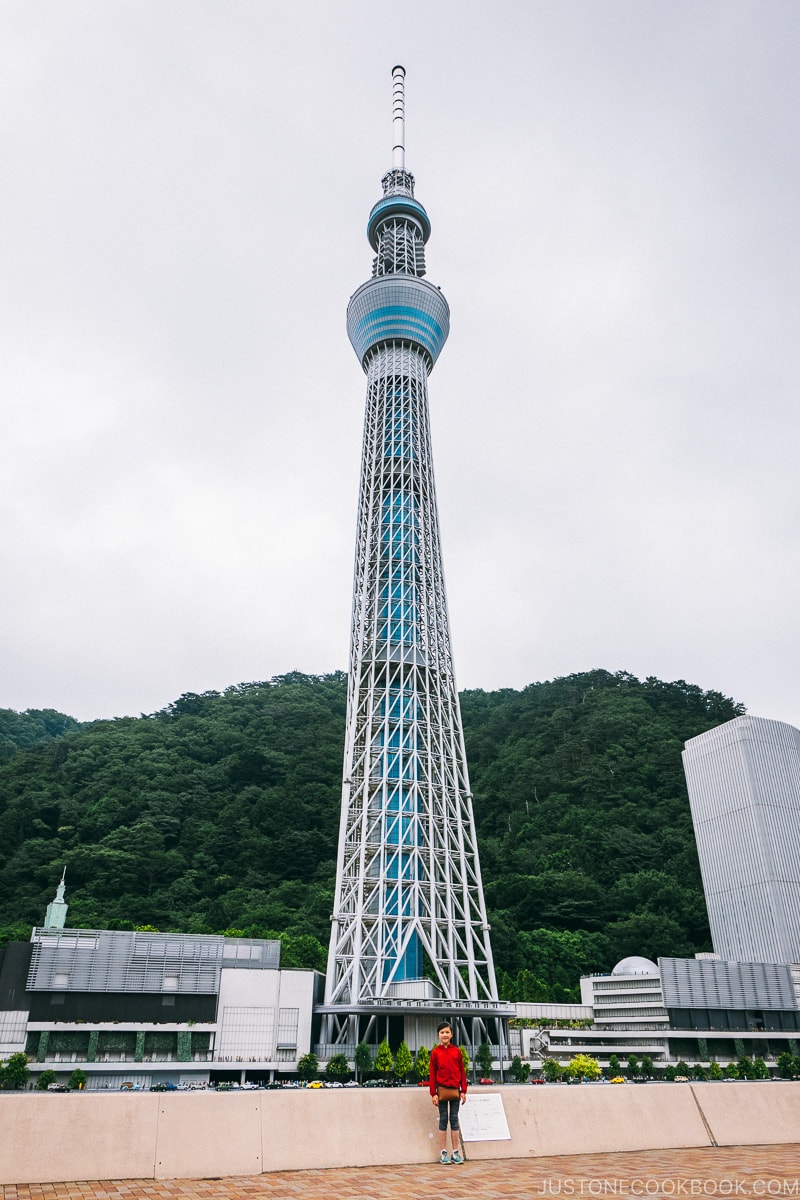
137	1009
744	789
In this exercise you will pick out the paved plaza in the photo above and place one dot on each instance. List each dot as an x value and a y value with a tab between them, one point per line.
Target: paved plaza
749	1171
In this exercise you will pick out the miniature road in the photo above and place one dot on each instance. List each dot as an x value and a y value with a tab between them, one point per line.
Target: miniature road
739	1171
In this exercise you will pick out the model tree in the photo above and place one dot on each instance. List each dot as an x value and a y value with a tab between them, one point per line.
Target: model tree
308	1066
14	1072
519	1070
384	1062
551	1070
422	1063
484	1058
338	1068
403	1063
363	1059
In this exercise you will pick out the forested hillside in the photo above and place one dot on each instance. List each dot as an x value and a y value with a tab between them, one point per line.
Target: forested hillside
221	813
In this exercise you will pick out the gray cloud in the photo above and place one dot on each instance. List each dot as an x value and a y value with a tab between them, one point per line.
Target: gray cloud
614	196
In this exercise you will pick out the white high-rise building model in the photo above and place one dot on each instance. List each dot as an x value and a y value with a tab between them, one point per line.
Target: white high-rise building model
744	790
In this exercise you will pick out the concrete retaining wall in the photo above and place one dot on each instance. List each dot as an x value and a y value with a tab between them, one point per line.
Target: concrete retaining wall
50	1138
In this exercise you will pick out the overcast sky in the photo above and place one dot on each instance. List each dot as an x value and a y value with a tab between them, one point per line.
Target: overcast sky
614	189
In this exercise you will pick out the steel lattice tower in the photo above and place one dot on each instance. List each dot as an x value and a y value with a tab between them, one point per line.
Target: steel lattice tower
409	899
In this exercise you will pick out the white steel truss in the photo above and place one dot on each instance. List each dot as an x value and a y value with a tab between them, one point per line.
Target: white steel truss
409	900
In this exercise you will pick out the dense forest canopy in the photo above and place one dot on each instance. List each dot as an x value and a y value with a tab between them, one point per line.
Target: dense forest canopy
220	813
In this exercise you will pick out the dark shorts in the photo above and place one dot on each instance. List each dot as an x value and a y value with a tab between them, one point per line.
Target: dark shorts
453	1106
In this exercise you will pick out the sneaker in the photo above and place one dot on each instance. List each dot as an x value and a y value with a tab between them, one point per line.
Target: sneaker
457	1159
444	1158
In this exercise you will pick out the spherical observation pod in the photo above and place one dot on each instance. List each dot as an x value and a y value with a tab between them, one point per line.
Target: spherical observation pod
635	964
398	308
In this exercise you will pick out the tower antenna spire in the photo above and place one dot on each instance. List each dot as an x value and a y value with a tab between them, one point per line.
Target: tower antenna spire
399	117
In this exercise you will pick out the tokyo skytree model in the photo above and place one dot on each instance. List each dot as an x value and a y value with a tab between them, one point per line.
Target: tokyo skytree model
409	934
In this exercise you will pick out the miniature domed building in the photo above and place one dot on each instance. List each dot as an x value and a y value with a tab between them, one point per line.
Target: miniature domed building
635	964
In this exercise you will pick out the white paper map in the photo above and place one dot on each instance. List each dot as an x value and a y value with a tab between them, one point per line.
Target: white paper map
483	1119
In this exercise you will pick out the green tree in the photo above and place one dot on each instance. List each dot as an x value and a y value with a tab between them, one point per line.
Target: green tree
584	826
670	1072
77	1080
465	1056
760	1069
384	1061
785	1064
745	1068
647	1066
633	1065
682	1068
732	1071
308	1066
14	1071
551	1070
44	1080
422	1062
363	1059
403	1063
519	1070
613	1066
583	1066
714	1070
338	1068
483	1058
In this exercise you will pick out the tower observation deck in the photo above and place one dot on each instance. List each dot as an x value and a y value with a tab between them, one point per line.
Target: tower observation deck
409	932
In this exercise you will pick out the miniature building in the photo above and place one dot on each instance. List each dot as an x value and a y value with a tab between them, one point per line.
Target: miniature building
744	789
144	1008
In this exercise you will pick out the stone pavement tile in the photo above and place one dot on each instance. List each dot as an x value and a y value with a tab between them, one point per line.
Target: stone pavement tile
749	1172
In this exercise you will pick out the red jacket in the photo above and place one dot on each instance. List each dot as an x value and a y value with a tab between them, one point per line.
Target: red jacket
447	1068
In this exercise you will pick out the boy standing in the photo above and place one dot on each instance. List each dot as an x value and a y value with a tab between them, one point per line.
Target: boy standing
448	1087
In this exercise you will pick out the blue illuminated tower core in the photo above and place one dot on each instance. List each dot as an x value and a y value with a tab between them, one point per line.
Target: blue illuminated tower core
409	922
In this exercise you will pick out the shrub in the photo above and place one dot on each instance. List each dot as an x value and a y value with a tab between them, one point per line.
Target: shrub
519	1070
583	1066
551	1070
338	1067
14	1072
308	1066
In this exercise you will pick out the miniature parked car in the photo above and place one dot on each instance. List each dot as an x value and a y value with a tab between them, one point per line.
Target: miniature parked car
489	1081
315	1083
538	1079
617	1079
